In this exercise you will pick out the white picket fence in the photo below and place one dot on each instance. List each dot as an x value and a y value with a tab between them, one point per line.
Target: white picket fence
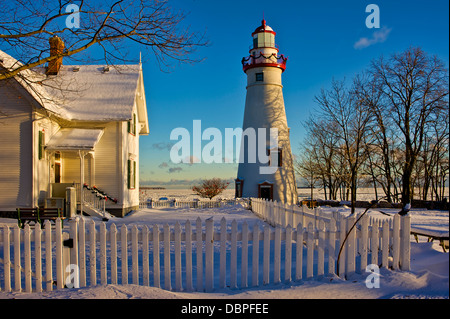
191	203
198	256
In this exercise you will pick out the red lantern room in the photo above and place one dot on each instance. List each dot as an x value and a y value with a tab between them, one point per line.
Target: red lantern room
264	52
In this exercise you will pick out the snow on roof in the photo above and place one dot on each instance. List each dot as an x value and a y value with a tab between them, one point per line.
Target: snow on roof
74	139
30	79
82	92
96	92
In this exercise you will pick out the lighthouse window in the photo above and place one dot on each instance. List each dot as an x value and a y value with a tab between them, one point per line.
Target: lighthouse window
259	77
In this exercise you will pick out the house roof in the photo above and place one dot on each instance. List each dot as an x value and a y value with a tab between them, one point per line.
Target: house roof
73	139
85	92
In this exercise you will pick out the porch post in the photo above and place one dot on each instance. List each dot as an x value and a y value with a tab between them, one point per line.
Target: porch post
81	154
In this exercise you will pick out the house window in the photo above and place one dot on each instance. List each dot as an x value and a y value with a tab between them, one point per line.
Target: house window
131	174
259	77
41	146
132	125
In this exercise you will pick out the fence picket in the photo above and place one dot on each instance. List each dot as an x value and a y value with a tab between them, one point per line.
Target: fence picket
59	255
134	255
17	264
310	251
38	257
266	255
145	259
103	267
277	256
321	249
188	231
113	240
233	255
209	255
124	254
244	259
156	260
48	256
199	250
255	255
167	270
288	255
223	252
27	256
178	283
7	258
82	252
332	247
299	253
364	242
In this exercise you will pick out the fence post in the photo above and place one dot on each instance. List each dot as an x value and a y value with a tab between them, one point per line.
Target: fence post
385	244
209	255
405	246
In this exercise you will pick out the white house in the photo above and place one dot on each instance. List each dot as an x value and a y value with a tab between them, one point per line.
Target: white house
67	125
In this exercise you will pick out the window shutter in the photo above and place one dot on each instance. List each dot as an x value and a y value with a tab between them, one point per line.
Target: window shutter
134	174
134	123
129	174
41	145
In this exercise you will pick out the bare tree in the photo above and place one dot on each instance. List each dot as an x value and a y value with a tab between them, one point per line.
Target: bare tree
342	106
414	90
27	25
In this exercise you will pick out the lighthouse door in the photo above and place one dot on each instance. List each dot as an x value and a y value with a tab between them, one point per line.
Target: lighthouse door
265	191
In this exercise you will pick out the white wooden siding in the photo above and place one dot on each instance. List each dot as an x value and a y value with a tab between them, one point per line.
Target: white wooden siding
15	149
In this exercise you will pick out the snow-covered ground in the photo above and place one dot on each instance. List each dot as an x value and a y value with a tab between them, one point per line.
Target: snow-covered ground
428	278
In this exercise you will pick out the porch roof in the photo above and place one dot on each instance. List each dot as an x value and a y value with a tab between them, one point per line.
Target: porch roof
74	139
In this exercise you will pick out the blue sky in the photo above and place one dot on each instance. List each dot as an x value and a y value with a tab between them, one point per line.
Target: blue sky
320	39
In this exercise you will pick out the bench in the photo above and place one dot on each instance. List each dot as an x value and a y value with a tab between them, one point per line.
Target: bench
442	236
38	215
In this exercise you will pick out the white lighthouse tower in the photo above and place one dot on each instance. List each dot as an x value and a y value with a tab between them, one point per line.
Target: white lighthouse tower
264	110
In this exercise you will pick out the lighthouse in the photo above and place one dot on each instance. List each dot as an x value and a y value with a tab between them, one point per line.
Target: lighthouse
265	167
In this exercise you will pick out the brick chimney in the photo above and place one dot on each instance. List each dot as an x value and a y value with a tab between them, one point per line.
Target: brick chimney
56	47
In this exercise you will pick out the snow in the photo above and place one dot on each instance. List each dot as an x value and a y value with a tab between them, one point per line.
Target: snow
428	278
75	139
